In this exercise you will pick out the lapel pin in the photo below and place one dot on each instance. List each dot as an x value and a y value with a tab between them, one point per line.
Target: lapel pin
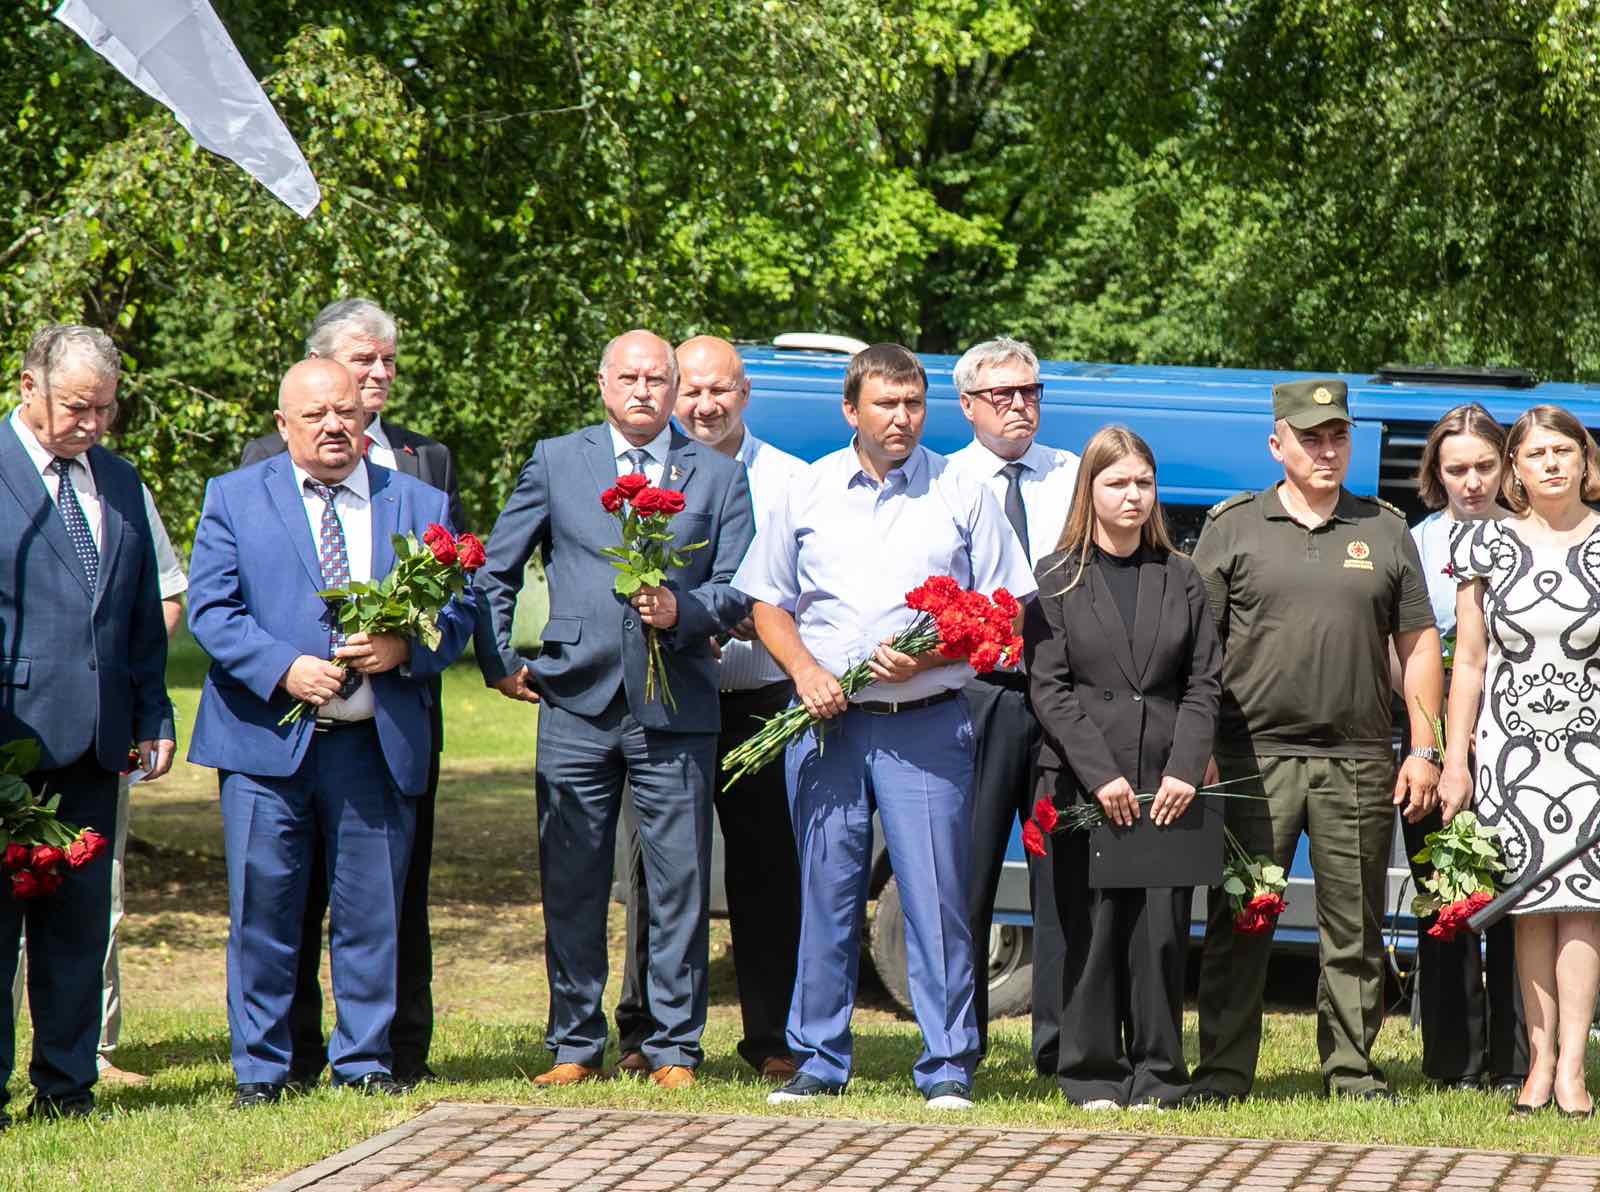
677	472
408	449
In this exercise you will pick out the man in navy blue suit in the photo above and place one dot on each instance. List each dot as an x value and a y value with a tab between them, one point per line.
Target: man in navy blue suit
346	774
83	657
597	729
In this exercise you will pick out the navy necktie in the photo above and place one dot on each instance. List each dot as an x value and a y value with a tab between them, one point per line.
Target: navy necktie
637	458
77	524
1016	512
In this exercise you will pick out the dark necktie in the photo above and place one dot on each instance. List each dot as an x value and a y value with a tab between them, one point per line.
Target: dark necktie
77	524
637	458
1016	512
335	562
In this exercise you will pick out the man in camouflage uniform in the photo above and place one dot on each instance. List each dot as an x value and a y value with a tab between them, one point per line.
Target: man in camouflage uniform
1309	583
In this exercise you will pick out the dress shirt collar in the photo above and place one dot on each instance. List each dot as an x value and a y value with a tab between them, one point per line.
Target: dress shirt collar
41	458
358	482
1035	459
377	434
909	470
656	448
747	449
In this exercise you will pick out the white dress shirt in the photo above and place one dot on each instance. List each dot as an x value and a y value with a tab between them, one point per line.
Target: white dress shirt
841	551
169	571
1047	478
82	476
655	453
771	473
352	504
379	450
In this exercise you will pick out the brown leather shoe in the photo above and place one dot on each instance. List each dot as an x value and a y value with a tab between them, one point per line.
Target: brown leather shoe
779	1069
565	1074
673	1077
633	1064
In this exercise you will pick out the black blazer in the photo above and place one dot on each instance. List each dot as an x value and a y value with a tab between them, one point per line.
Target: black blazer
1109	708
417	455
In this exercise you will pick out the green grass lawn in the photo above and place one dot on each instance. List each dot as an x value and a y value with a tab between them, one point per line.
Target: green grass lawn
177	1131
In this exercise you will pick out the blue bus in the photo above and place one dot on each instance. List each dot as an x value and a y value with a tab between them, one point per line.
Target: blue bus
1208	428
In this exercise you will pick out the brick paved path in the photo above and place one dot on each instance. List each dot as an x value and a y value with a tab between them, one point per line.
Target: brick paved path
502	1146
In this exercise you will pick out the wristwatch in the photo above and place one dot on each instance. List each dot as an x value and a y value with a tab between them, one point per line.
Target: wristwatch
1429	754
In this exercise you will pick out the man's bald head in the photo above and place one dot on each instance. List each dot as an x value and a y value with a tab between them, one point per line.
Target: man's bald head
712	392
320	418
638	378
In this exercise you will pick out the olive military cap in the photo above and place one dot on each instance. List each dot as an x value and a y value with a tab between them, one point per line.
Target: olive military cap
1304	404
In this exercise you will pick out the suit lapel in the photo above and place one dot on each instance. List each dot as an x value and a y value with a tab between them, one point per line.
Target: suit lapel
1116	633
385	519
602	460
680	462
291	509
112	524
1147	617
27	486
406	458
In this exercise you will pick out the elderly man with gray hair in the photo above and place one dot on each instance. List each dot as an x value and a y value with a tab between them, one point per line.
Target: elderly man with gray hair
361	335
1002	397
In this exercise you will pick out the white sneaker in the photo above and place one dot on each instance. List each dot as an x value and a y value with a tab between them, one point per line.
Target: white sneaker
950	1094
1101	1105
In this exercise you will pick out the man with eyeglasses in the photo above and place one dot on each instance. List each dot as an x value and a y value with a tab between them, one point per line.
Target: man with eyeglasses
1001	396
597	728
83	655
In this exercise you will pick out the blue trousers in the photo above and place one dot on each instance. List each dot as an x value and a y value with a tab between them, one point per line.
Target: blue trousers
916	768
581	766
67	933
343	795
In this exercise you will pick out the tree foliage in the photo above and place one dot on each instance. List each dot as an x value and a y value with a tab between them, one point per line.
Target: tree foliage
1306	183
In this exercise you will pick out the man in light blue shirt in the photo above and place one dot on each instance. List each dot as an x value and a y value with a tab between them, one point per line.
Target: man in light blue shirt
830	569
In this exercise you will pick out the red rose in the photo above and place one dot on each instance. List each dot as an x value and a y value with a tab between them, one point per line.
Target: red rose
95	842
671	501
438	540
470	553
1033	839
611	500
1248	922
16	856
1044	813
50	881
655	500
632	485
44	856
25	884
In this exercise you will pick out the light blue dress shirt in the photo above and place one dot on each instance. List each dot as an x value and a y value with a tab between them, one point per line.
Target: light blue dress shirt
841	552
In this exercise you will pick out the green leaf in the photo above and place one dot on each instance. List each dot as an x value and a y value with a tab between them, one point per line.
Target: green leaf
626	584
1234	886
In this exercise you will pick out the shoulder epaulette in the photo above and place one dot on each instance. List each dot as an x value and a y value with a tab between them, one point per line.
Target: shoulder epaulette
1230	503
1394	509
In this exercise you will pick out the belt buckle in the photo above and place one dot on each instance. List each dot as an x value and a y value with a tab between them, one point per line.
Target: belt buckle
890	706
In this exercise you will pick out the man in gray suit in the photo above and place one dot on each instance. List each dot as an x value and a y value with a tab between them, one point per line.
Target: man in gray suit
597	729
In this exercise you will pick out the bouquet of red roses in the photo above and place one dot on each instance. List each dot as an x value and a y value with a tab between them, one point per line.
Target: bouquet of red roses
645	556
1255	886
1466	857
407	601
958	623
37	848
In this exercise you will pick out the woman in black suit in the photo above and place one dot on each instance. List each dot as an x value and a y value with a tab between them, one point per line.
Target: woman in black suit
1123	664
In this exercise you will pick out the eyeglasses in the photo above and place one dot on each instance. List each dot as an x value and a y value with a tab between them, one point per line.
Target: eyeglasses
1001	397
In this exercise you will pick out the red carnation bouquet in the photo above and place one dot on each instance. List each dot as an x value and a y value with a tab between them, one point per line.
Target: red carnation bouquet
645	557
1465	855
37	849
956	622
408	600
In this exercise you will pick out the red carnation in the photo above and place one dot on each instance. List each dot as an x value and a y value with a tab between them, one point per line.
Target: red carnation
934	595
985	657
25	884
611	500
1007	604
1044	813
470	553
44	856
438	540
632	485
16	856
1033	838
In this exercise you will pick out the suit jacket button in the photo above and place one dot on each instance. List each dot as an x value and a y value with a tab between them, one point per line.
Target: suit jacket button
627	623
1110	696
91	662
1137	697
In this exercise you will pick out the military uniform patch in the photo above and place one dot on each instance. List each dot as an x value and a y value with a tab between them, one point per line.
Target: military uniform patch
1358	555
1230	503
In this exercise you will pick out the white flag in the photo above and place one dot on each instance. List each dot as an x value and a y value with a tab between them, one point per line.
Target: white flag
179	53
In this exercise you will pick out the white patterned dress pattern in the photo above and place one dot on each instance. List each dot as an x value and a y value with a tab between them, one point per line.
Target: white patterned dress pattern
1538	735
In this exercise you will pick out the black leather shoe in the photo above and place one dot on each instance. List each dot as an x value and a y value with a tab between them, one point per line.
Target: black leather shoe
1523	1109
410	1078
249	1096
1507	1086
1207	1099
1464	1084
1380	1096
52	1108
373	1084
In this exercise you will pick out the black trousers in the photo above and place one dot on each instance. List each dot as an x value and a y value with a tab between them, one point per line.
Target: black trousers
1121	996
761	874
1007	743
1471	1009
411	1033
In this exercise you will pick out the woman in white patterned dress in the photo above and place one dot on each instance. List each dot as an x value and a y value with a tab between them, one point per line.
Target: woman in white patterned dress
1525	690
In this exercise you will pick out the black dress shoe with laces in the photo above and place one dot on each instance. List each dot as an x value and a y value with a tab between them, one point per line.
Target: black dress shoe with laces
410	1078
52	1108
373	1084
250	1096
